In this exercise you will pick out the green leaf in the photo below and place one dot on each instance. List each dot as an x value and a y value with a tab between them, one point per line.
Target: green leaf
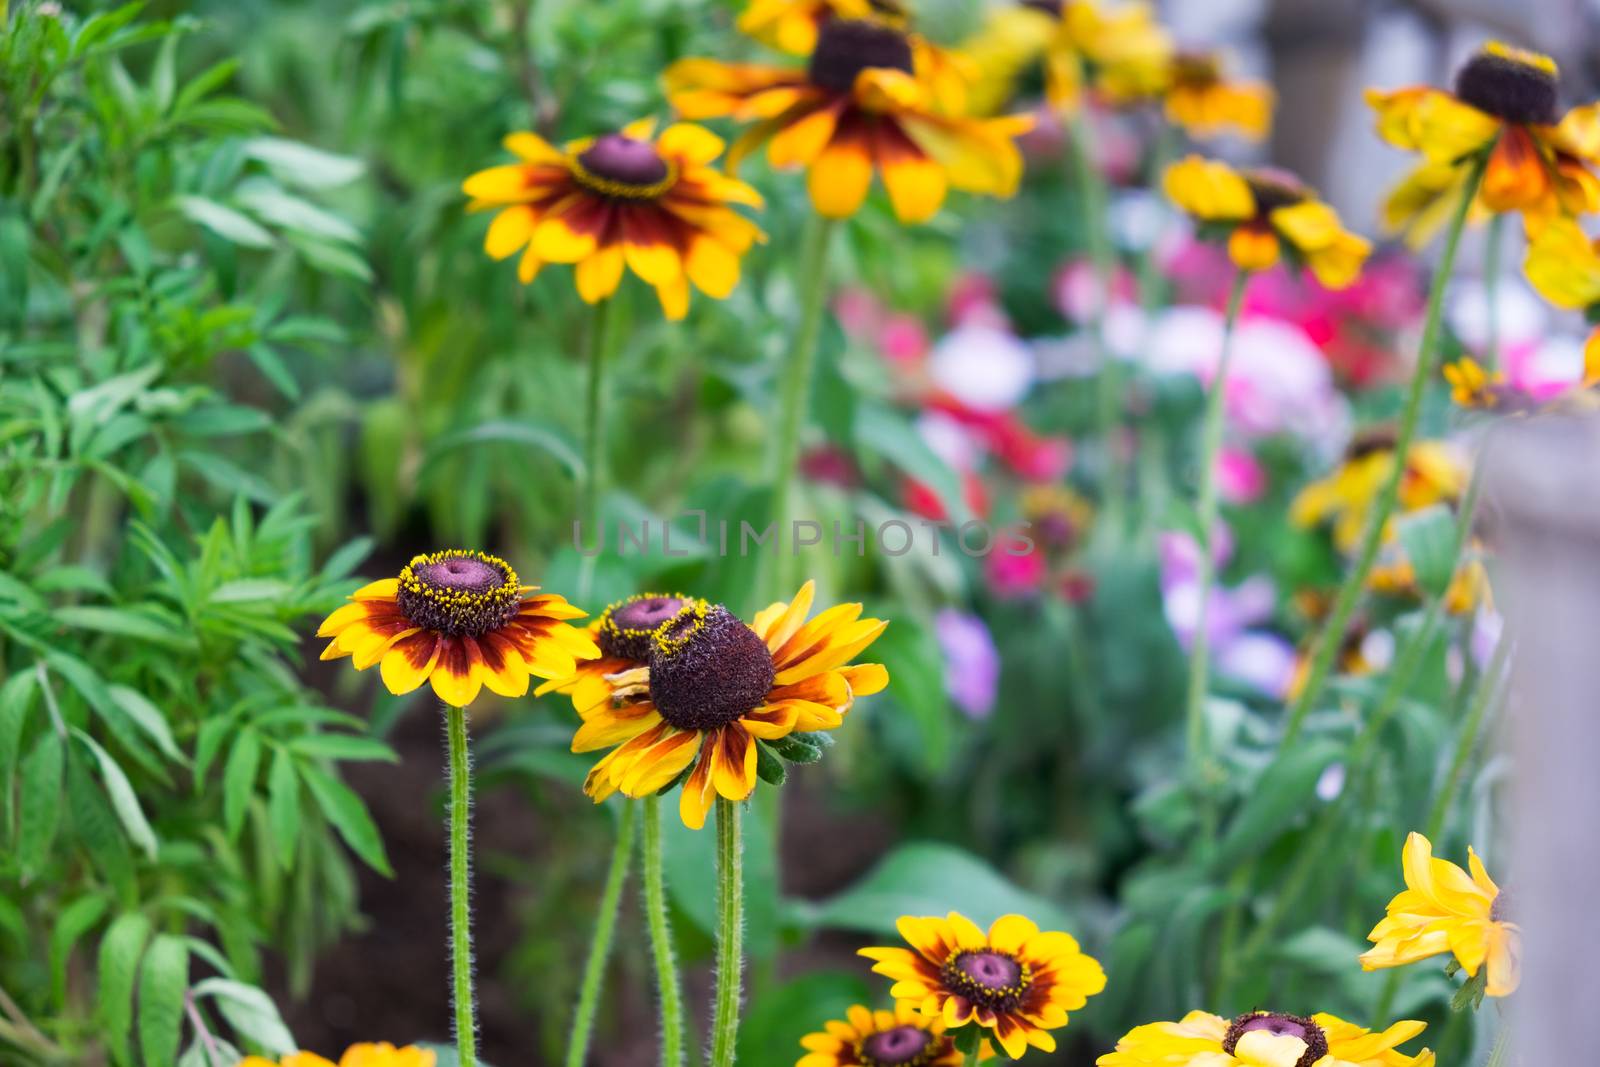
883	433
120	950
1429	539
345	810
239	780
123	799
16	698
343	747
251	1013
231	225
1277	799
283	806
40	804
163	980
528	433
96	827
148	718
123	623
911	653
931	879
303	165
769	767
75	920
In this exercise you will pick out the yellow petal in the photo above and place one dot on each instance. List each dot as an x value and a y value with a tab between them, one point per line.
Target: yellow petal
1209	190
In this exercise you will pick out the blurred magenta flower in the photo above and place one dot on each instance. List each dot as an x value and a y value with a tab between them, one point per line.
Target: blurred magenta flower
1241	479
974	300
972	662
1011	577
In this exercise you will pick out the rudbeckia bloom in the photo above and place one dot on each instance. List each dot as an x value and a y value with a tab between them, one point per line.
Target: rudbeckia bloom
654	206
461	620
1015	981
713	688
1265	1039
857	108
1204	102
1504	105
622	633
1120	49
1435	473
1471	386
1267	215
1563	264
900	1038
365	1055
1444	909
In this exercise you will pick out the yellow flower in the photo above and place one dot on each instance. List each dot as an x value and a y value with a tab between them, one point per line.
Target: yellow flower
1395	576
857	108
899	1038
1504	105
1265	1039
709	688
461	620
1444	909
1016	981
1201	100
365	1055
1471	386
1119	49
1435	473
1263	212
1563	264
627	199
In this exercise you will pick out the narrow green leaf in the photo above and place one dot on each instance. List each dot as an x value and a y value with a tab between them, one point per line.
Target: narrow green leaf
40	803
343	747
163	980
123	799
148	718
231	225
251	1013
1279	797
75	920
283	806
120	950
345	810
239	780
95	825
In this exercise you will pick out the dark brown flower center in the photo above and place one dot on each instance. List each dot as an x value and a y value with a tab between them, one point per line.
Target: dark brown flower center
459	592
990	979
1282	1026
1510	84
1274	188
1049	7
846	47
618	165
904	1046
1382	438
707	668
626	627
1196	69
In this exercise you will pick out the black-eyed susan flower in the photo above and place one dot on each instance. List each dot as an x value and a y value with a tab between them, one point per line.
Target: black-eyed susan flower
1435	473
1202	100
1118	49
1265	1039
1015	981
1471	386
856	109
652	205
381	1054
1504	107
903	1037
1563	264
622	633
714	688
461	620
1267	215
1444	909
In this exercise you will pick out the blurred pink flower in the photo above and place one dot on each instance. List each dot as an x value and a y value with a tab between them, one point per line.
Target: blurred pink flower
1241	479
903	339
972	662
975	301
1012	576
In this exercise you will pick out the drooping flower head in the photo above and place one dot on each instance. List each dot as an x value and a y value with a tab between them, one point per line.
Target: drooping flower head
1539	161
1445	909
1266	215
1015	981
654	205
1265	1039
857	107
461	620
1202	100
712	689
381	1054
1435	474
903	1037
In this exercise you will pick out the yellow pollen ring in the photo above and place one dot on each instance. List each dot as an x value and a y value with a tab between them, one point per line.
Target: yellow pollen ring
1522	56
622	190
671	645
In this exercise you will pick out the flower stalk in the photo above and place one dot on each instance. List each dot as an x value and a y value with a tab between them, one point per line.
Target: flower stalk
730	934
601	339
605	926
655	906
460	886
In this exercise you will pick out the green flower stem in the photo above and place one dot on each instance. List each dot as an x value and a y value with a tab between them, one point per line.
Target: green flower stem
1332	635
1092	193
600	341
1467	738
730	932
794	392
1494	241
655	907
461	885
1500	1055
1206	520
605	926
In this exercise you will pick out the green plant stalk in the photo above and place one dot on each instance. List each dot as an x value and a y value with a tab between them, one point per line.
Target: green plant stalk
1206	520
730	934
602	331
1102	257
655	907
1494	241
1500	1055
1332	635
1467	740
605	927
460	886
794	392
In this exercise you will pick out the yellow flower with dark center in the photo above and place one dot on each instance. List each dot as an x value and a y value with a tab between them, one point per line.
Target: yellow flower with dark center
623	200
1563	264
1015	981
1435	473
1267	214
711	688
857	108
1471	386
364	1055
903	1037
1119	49
461	620
1445	909
1540	162
623	633
1204	102
1265	1039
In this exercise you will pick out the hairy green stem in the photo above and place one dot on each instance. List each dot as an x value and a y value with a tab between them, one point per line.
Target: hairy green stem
461	885
605	927
1494	241
655	908
1500	1055
601	338
730	934
1332	635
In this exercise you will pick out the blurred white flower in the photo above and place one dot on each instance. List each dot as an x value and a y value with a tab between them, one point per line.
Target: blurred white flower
949	440
986	369
1522	320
